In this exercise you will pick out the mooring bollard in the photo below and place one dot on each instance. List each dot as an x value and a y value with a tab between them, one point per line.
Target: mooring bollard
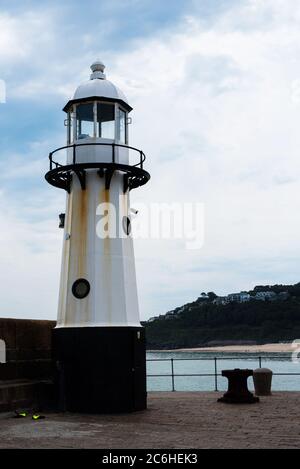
238	392
262	378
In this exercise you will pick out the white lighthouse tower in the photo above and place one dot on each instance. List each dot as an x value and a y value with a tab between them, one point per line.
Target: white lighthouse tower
98	343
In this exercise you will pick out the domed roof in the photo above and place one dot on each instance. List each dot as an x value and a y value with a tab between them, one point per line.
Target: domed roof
98	87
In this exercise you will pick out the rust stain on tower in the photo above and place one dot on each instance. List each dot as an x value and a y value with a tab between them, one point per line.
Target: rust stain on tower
82	231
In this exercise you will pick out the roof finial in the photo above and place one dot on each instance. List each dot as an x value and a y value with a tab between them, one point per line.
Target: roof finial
97	68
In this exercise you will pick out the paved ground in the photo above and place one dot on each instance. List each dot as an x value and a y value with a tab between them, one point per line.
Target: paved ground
173	420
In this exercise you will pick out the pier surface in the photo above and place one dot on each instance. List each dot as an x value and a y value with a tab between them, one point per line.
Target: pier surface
173	420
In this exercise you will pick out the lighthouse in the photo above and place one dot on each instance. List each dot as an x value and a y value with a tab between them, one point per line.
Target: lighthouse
98	342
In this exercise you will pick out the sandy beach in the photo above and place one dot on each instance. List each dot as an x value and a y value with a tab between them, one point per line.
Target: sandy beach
265	348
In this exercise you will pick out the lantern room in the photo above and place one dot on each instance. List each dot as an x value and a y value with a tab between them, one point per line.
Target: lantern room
98	111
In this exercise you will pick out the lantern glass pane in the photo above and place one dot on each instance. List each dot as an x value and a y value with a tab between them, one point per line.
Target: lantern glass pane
122	126
85	120
106	120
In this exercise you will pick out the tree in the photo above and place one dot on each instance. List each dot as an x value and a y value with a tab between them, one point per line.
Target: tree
211	295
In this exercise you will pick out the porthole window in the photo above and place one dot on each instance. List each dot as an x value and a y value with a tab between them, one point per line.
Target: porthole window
81	288
126	225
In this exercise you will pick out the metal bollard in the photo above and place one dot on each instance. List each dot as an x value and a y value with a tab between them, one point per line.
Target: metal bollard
262	378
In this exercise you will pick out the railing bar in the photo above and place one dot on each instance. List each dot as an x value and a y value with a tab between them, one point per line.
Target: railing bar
219	358
74	145
96	143
216	374
190	359
192	374
286	374
172	369
212	374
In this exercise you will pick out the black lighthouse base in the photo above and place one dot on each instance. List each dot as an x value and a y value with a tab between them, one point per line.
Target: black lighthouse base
100	369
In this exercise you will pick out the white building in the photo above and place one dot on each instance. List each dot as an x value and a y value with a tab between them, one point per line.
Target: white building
265	295
241	297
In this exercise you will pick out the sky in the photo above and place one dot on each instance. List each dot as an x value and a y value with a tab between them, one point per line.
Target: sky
215	88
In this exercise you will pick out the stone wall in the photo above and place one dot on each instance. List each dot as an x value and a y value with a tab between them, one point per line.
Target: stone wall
28	348
28	361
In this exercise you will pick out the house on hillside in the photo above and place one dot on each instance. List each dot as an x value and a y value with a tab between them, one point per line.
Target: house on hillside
284	295
169	314
241	297
152	319
265	295
203	297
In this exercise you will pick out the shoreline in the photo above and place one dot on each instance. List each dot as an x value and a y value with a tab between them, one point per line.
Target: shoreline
264	348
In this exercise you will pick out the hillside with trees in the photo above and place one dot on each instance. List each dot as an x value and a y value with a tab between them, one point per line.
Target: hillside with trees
265	314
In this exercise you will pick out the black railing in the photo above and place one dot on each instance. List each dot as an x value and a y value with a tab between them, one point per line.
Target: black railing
55	164
214	360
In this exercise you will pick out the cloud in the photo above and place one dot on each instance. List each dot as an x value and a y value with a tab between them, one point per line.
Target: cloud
216	111
219	123
29	272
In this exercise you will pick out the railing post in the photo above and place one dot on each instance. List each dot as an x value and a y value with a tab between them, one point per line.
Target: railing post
50	159
259	362
113	152
172	368
74	153
141	161
216	374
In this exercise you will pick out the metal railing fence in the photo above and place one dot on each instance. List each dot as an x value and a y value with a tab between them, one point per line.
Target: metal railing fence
215	374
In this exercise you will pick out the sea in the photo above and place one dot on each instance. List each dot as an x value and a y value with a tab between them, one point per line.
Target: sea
187	365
